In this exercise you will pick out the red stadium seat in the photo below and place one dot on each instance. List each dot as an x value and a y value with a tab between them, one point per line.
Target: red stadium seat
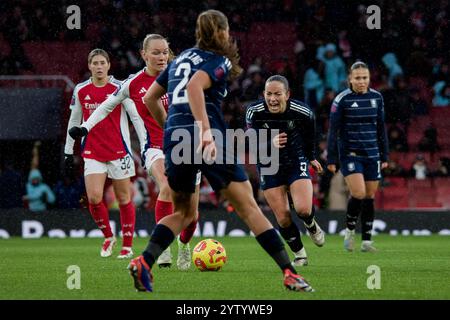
442	182
414	184
422	194
420	123
414	137
391	198
425	198
444	137
437	113
52	57
395	181
275	35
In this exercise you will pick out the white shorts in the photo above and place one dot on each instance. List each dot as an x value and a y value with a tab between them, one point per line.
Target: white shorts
151	155
117	169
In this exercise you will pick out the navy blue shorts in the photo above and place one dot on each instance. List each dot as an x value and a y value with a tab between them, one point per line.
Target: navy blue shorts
369	168
286	175
183	177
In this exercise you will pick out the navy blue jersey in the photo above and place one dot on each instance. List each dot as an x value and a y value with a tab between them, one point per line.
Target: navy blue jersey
174	79
298	122
357	126
182	176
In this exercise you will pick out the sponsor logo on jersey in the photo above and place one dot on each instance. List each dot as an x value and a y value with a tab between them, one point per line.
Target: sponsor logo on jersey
265	125
143	90
354	105
290	124
87	97
351	166
91	106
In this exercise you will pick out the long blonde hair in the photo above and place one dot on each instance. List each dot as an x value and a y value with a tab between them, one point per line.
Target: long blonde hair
207	33
154	36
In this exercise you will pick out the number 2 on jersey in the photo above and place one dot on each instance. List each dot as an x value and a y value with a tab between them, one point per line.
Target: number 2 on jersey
179	93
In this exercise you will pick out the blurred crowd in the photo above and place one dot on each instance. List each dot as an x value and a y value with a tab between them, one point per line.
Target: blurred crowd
408	57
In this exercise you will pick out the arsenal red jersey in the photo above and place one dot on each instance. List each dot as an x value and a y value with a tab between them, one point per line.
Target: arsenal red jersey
132	91
110	139
137	87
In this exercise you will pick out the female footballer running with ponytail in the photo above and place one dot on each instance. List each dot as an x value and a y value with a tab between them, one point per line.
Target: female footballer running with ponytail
196	84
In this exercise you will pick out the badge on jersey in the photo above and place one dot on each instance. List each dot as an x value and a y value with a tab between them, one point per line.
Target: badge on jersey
351	166
333	108
373	103
219	72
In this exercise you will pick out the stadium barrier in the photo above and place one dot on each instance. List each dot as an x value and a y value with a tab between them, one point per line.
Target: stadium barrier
30	113
213	223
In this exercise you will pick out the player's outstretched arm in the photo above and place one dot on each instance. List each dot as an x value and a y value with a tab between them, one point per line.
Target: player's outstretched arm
199	82
76	116
137	121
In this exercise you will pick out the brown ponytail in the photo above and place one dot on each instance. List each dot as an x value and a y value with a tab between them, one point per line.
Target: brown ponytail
207	33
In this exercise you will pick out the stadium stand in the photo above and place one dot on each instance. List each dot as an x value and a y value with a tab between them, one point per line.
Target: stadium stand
268	31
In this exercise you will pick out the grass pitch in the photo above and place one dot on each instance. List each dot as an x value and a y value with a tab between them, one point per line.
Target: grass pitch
410	268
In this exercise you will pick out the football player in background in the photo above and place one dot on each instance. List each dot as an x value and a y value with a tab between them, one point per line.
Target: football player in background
156	54
196	84
106	151
357	133
296	143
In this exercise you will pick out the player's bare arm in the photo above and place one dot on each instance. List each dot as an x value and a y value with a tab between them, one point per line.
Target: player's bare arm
152	100
199	82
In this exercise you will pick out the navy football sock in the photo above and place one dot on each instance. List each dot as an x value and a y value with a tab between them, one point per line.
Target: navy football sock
291	235
273	245
353	210
160	239
309	221
367	217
